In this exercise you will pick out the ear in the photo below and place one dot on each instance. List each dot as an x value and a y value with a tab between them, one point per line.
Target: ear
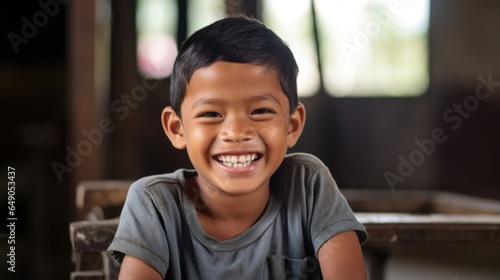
297	121
172	125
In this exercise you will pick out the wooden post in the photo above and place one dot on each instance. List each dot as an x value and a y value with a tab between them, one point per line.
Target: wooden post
88	56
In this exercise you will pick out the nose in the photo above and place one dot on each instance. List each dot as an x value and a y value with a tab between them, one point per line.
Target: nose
237	129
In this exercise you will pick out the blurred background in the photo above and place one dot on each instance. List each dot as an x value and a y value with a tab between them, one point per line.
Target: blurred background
400	95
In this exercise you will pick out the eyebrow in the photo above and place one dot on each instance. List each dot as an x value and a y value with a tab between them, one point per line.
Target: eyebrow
216	101
207	101
263	97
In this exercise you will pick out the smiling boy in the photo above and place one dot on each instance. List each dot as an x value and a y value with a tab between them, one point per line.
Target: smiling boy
247	210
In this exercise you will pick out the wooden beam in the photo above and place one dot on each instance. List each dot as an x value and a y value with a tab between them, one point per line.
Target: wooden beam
88	76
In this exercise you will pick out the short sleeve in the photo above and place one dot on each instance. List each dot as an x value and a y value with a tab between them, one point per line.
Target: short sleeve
330	212
313	196
141	232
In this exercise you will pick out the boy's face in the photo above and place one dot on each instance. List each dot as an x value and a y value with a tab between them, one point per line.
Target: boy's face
236	126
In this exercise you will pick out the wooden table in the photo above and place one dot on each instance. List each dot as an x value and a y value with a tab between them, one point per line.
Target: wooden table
420	217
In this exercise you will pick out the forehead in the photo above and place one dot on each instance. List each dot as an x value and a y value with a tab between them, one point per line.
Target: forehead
231	79
225	69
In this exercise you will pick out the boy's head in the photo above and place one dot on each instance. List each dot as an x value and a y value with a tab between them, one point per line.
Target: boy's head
234	39
235	84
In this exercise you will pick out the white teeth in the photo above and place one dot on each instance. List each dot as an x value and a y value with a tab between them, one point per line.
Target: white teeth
237	161
234	159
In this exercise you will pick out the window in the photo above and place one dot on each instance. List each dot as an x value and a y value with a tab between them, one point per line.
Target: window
367	48
292	21
156	24
203	12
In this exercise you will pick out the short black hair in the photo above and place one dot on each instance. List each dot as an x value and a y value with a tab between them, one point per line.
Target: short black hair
234	39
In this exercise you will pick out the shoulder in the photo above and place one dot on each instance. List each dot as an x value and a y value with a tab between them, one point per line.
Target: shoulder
154	180
303	171
306	159
161	184
302	161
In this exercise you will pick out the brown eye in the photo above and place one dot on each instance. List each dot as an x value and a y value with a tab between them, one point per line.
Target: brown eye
262	111
208	115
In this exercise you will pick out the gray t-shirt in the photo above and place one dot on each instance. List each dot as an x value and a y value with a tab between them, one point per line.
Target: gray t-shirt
159	225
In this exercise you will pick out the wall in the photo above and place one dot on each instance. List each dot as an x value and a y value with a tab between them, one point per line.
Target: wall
34	134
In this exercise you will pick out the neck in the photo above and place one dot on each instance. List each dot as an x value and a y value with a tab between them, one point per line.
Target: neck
224	216
227	207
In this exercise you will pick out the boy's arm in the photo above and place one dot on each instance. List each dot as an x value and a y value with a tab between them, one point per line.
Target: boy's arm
136	269
341	258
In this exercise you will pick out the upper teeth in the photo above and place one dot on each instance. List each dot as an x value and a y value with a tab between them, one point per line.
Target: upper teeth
237	161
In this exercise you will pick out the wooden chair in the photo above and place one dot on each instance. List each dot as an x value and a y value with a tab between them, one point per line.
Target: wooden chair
100	203
89	240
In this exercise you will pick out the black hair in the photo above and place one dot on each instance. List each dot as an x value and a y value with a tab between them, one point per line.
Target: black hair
234	39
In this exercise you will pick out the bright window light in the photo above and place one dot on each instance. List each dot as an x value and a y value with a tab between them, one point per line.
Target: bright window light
368	48
156	24
292	21
203	12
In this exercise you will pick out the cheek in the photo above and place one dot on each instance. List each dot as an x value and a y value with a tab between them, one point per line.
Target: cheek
196	134
276	134
197	138
197	146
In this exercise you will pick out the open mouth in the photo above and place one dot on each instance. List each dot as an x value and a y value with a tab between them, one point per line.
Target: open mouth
238	161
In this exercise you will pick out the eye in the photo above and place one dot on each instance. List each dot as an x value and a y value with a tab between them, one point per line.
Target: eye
262	111
208	115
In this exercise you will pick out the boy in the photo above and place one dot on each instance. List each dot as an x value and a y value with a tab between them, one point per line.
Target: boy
246	211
